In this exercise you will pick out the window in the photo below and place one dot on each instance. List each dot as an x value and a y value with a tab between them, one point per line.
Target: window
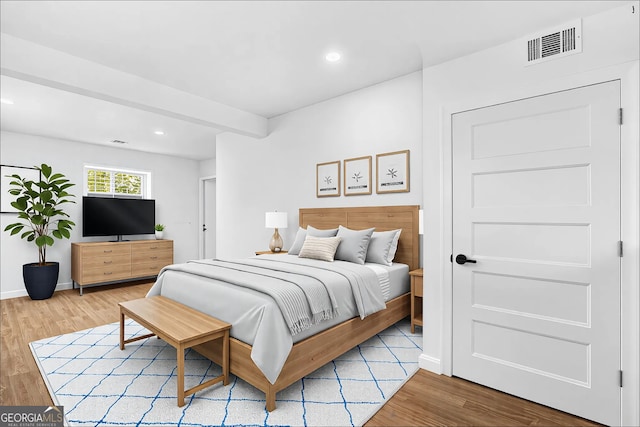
100	181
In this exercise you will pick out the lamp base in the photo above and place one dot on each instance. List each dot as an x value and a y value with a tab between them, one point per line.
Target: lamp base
275	245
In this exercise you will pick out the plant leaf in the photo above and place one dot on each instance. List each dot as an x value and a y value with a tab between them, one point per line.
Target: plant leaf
17	229
41	241
45	196
20	204
46	170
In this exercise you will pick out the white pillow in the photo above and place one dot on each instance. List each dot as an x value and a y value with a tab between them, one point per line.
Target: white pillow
383	246
322	248
354	244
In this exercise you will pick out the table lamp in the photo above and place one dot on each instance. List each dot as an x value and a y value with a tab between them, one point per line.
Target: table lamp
275	220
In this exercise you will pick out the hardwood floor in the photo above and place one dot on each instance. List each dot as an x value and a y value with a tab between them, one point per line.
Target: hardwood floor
426	399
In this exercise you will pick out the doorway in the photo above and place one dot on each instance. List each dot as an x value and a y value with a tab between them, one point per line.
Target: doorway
207	217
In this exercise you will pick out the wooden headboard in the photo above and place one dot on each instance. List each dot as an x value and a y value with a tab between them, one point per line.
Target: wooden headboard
383	218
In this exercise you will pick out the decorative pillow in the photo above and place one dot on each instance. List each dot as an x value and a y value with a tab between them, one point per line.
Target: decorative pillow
354	244
383	246
298	242
322	248
321	233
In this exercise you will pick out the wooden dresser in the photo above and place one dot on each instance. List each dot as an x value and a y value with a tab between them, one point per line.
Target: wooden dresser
103	262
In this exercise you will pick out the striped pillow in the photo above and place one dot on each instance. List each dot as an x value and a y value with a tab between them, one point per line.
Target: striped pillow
322	248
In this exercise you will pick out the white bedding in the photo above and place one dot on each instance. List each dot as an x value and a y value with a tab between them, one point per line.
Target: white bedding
256	318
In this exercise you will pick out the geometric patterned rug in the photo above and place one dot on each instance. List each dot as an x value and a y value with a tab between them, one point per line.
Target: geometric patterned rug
100	385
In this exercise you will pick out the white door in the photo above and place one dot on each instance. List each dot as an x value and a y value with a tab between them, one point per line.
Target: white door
209	218
536	205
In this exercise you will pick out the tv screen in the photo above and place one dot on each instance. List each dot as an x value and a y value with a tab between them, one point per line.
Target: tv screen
107	216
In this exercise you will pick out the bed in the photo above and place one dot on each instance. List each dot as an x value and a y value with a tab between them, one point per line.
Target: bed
298	355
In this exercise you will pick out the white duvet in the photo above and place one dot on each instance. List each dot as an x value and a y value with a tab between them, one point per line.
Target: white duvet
254	316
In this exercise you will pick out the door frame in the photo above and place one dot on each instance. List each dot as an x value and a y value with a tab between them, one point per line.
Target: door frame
628	75
201	212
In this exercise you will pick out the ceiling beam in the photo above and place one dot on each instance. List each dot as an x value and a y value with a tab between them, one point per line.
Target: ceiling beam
38	64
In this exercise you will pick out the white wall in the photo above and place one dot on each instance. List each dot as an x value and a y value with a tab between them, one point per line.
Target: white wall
208	168
610	51
279	171
174	186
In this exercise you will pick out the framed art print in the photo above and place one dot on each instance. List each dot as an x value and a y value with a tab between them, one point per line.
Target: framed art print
328	179
392	172
357	176
31	174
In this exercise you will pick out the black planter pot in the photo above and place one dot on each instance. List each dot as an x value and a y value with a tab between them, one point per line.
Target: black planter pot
40	280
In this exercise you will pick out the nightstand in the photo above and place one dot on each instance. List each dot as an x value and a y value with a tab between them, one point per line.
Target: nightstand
416	299
270	253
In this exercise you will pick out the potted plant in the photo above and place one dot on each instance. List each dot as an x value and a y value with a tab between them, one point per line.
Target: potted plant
159	231
38	205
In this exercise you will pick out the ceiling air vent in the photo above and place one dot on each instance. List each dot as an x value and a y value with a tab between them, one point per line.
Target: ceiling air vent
561	41
117	141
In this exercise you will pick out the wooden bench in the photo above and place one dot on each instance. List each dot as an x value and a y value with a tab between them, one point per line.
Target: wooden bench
180	326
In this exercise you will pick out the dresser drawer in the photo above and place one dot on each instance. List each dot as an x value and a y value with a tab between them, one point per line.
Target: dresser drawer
104	261
164	255
105	250
152	245
106	273
144	269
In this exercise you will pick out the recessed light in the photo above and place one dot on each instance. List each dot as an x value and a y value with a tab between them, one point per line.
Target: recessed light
6	101
159	132
332	56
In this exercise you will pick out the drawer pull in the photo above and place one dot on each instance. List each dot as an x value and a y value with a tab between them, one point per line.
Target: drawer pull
108	251
153	247
154	257
106	273
107	262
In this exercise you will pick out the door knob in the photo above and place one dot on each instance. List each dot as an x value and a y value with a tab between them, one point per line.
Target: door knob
462	259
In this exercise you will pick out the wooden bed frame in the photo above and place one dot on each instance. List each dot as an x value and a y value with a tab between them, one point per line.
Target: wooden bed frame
314	352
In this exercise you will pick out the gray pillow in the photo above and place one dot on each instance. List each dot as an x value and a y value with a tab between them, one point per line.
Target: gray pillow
302	234
383	246
353	244
315	232
298	242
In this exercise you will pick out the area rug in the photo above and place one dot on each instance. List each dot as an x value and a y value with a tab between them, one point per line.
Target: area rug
100	385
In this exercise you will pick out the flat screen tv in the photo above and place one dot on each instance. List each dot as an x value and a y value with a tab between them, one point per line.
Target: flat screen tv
108	216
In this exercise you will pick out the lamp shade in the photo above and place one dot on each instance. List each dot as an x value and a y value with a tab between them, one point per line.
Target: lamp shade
275	220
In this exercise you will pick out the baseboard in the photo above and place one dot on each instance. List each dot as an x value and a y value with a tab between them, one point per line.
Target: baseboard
430	364
23	292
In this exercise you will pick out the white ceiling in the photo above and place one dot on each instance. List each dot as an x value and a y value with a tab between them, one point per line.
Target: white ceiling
262	57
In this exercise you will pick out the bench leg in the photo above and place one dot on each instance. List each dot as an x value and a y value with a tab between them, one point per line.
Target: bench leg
225	358
270	395
180	378
121	330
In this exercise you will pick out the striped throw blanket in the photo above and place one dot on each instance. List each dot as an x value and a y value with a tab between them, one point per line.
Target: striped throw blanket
303	299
